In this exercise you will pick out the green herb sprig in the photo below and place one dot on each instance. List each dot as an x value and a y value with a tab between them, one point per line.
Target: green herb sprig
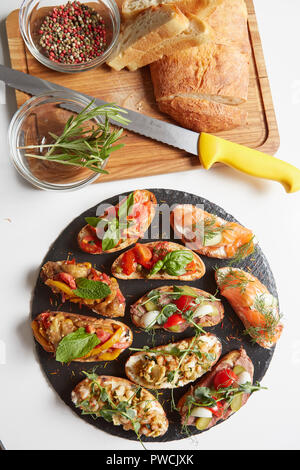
83	146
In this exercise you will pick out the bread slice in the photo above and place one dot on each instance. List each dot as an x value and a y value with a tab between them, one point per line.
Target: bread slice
196	34
146	31
201	8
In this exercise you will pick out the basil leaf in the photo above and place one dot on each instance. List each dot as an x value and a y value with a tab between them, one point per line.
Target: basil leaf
88	289
92	221
125	207
75	345
173	263
112	235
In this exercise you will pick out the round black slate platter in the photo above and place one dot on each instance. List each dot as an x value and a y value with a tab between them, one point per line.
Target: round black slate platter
63	378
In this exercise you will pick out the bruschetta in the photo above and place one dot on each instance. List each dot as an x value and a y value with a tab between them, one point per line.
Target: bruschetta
119	226
158	260
122	403
175	364
175	308
253	304
73	337
81	283
211	235
221	392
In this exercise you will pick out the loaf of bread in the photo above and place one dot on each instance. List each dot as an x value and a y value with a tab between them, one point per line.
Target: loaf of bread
201	8
203	87
148	30
197	33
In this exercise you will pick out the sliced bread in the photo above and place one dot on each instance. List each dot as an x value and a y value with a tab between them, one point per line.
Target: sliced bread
201	8
196	34
146	31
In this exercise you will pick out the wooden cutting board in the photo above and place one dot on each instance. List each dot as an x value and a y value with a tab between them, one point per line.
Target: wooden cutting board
142	156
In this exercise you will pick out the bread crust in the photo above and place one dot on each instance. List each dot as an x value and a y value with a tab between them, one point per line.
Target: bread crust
228	360
202	87
86	230
131	370
206	321
201	8
200	266
175	23
97	323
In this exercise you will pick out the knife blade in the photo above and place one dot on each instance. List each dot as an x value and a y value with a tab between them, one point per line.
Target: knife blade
209	148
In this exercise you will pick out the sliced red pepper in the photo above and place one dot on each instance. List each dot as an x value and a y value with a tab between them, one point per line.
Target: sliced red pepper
103	336
128	262
44	318
67	279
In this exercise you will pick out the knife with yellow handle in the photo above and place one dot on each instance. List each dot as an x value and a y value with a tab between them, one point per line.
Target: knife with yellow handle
209	148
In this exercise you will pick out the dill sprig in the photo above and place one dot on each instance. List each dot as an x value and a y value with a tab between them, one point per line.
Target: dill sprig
271	317
81	145
233	278
244	251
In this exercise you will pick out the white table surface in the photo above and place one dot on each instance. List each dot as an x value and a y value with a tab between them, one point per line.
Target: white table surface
32	416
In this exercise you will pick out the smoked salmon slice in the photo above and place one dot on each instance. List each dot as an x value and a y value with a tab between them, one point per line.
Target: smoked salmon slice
211	235
253	303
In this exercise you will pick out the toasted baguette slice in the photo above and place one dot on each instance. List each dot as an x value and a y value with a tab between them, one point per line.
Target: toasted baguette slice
61	277
146	31
197	273
201	8
131	235
151	368
230	360
149	412
213	310
196	34
49	328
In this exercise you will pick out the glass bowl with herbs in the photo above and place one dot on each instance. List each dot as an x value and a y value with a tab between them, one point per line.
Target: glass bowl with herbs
71	37
61	141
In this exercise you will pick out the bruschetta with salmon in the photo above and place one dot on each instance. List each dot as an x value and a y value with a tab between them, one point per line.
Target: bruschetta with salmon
175	364
210	235
253	304
80	338
175	308
122	403
119	226
82	284
158	260
221	392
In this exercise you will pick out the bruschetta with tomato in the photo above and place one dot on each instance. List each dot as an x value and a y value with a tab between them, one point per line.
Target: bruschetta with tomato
82	284
256	307
122	403
221	392
119	226
175	308
80	338
158	260
175	364
211	235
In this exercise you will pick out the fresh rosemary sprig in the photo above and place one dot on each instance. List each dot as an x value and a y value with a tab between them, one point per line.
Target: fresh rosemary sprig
81	145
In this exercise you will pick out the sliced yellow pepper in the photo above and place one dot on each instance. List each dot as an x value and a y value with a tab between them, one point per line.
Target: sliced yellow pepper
110	356
60	285
108	344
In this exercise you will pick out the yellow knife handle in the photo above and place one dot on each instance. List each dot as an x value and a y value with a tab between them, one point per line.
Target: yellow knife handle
212	149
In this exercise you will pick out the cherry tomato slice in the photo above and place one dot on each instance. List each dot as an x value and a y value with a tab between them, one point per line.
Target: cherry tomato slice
128	262
183	302
224	378
217	410
91	244
173	320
